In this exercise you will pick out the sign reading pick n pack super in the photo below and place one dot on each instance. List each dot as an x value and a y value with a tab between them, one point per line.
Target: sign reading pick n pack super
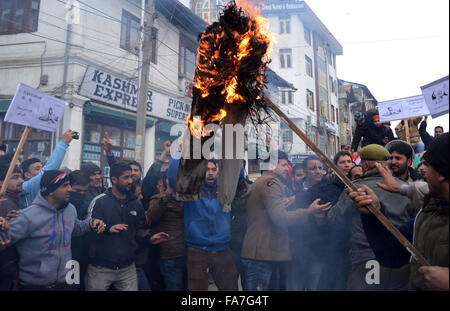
35	109
122	93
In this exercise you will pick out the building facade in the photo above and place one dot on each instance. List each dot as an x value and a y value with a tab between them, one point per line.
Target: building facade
100	81
305	56
353	97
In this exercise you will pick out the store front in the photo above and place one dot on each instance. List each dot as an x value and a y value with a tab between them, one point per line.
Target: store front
112	109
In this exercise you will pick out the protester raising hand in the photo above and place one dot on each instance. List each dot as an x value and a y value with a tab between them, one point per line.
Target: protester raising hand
68	136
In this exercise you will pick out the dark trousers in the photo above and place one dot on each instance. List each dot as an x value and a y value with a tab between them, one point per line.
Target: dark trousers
264	275
220	264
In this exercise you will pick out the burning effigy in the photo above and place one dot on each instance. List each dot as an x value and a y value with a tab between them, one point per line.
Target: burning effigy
229	88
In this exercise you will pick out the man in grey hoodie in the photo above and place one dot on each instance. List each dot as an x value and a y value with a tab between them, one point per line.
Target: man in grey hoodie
42	234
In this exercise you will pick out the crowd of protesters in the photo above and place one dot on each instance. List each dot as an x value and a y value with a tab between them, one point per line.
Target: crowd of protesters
296	227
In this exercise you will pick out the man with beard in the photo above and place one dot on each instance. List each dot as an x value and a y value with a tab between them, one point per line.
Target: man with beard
95	185
9	208
266	244
42	233
112	255
402	155
207	235
136	172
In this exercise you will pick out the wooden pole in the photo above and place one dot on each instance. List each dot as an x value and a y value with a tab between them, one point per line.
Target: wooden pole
389	226
408	139
12	165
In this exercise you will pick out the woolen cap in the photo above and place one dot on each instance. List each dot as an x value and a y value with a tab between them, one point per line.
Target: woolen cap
90	168
437	154
52	180
374	153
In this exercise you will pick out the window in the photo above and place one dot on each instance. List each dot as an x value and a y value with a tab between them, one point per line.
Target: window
333	116
17	16
332	85
130	35
307	35
285	25
310	99
337	115
122	141
287	97
37	145
187	58
286	58
309	68
330	57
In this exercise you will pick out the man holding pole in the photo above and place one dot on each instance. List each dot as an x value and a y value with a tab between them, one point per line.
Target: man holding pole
428	231
343	217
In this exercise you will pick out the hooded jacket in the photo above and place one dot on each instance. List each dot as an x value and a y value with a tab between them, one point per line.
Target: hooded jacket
42	235
115	250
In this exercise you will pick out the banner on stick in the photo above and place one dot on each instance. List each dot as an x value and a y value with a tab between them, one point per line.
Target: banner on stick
404	108
436	97
35	109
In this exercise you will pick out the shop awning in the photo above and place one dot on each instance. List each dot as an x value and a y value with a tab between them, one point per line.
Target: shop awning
115	115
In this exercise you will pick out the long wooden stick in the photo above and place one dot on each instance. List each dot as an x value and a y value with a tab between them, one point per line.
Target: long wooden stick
12	165
389	226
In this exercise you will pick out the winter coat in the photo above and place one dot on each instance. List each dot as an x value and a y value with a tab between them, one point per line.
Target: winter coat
268	220
429	233
414	135
370	134
207	227
344	216
426	138
168	214
9	258
32	186
115	250
239	216
42	235
312	236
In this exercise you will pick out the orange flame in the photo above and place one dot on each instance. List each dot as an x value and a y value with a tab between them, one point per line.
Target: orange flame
208	76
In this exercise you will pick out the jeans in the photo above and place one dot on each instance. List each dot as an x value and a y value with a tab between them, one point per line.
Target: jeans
239	266
143	284
258	274
419	148
174	272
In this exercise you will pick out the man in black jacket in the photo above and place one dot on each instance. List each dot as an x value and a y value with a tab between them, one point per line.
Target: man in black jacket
427	138
112	255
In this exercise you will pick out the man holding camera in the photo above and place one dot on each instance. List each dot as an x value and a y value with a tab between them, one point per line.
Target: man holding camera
33	169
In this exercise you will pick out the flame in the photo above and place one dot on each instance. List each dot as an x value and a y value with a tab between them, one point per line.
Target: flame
209	73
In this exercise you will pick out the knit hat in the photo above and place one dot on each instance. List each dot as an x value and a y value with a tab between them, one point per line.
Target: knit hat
437	155
90	168
52	180
374	153
359	116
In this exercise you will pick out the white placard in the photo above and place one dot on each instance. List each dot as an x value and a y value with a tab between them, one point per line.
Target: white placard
123	93
436	97
404	108
35	109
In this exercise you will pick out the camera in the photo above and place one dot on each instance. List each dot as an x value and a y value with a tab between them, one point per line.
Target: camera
76	136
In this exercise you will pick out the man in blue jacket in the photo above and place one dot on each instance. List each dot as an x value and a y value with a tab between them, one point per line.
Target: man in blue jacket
207	234
34	171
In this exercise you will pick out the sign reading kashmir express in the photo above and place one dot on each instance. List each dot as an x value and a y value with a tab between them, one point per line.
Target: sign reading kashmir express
122	93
